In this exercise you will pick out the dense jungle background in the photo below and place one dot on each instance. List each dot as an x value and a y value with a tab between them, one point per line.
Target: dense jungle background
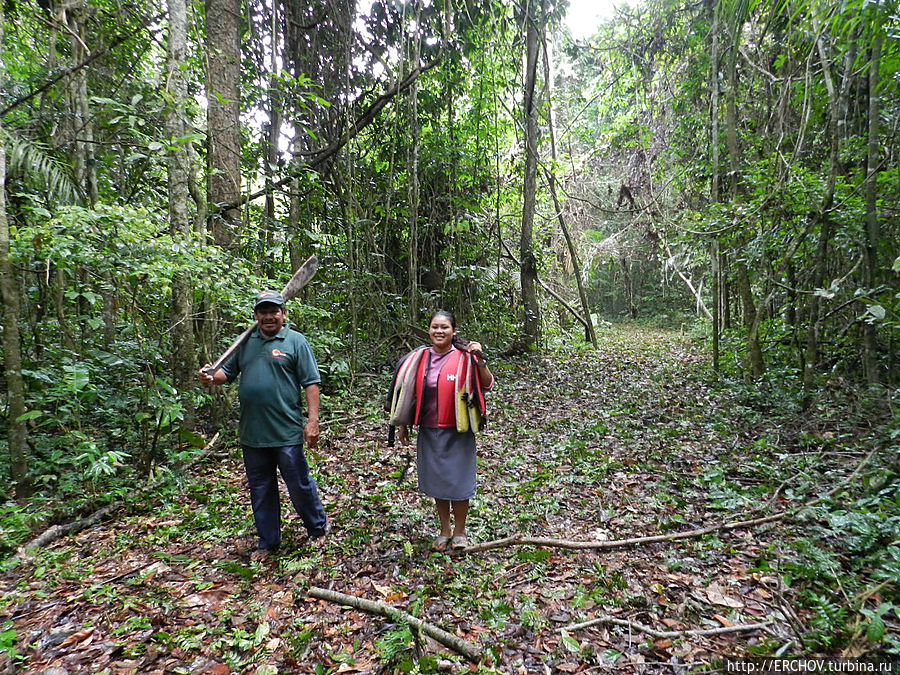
677	238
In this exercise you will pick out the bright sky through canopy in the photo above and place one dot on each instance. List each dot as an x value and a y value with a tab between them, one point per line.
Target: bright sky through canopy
585	15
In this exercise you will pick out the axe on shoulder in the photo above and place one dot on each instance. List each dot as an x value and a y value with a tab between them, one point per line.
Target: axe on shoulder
293	287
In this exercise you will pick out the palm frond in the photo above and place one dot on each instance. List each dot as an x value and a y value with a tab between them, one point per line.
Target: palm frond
32	164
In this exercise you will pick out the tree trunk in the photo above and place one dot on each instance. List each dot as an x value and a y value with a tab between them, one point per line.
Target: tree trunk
731	137
590	333
835	115
83	131
717	301
85	160
528	275
179	176
873	227
293	225
716	268
12	348
267	268
412	170
223	119
755	362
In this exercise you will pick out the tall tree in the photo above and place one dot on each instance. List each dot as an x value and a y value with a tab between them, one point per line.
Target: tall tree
550	173
412	164
837	102
12	348
873	167
223	70
533	19
179	176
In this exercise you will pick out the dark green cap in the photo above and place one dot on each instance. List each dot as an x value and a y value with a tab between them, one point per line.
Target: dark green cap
273	297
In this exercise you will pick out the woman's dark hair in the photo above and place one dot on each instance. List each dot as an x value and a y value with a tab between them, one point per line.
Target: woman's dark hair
447	315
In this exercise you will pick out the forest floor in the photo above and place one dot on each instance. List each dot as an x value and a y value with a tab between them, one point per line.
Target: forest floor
628	442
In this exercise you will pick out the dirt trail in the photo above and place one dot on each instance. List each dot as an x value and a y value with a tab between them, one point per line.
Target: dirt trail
624	442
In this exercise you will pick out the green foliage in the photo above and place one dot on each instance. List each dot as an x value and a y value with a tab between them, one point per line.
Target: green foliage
16	523
101	404
8	641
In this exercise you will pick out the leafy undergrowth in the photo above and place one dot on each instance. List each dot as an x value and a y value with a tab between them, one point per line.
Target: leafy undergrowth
626	442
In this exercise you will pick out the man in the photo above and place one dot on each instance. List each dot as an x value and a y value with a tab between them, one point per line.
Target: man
274	364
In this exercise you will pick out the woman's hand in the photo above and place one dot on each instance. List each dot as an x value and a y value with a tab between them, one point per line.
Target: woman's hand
476	349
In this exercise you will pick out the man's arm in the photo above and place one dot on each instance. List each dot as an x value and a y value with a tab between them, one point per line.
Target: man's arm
311	431
207	380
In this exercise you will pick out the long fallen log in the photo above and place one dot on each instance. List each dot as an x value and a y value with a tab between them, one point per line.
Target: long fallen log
467	649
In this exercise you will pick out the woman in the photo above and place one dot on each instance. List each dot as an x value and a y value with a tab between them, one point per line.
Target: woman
439	388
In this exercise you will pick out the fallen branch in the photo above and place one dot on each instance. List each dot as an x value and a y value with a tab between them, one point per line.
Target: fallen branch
57	531
467	649
519	540
605	618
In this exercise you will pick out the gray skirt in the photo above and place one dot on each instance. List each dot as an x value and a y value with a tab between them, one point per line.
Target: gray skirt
445	462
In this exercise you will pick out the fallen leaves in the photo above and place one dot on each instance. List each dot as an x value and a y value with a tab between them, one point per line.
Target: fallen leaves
717	596
611	444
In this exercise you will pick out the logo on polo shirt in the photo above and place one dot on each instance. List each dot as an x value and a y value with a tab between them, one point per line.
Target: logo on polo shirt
278	354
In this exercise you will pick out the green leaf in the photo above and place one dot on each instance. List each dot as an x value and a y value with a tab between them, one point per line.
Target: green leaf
30	415
570	643
876	629
192	438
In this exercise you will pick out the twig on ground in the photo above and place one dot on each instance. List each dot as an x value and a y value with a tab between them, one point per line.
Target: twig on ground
467	649
652	632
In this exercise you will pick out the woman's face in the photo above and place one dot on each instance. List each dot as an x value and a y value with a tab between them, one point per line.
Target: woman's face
441	332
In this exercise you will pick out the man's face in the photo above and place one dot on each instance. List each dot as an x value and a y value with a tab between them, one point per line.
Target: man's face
270	317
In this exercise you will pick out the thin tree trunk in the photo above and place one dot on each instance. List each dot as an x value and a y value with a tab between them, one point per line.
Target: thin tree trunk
731	137
85	161
12	347
412	170
179	176
835	107
716	267
528	274
716	271
873	228
267	268
83	126
751	321
590	333
293	226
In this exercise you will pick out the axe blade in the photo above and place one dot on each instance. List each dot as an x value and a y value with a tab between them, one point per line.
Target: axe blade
301	277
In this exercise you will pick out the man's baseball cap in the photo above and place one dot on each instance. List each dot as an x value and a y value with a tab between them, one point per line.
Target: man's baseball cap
273	297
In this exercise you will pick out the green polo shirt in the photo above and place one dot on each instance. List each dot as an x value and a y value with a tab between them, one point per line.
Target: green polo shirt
274	371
